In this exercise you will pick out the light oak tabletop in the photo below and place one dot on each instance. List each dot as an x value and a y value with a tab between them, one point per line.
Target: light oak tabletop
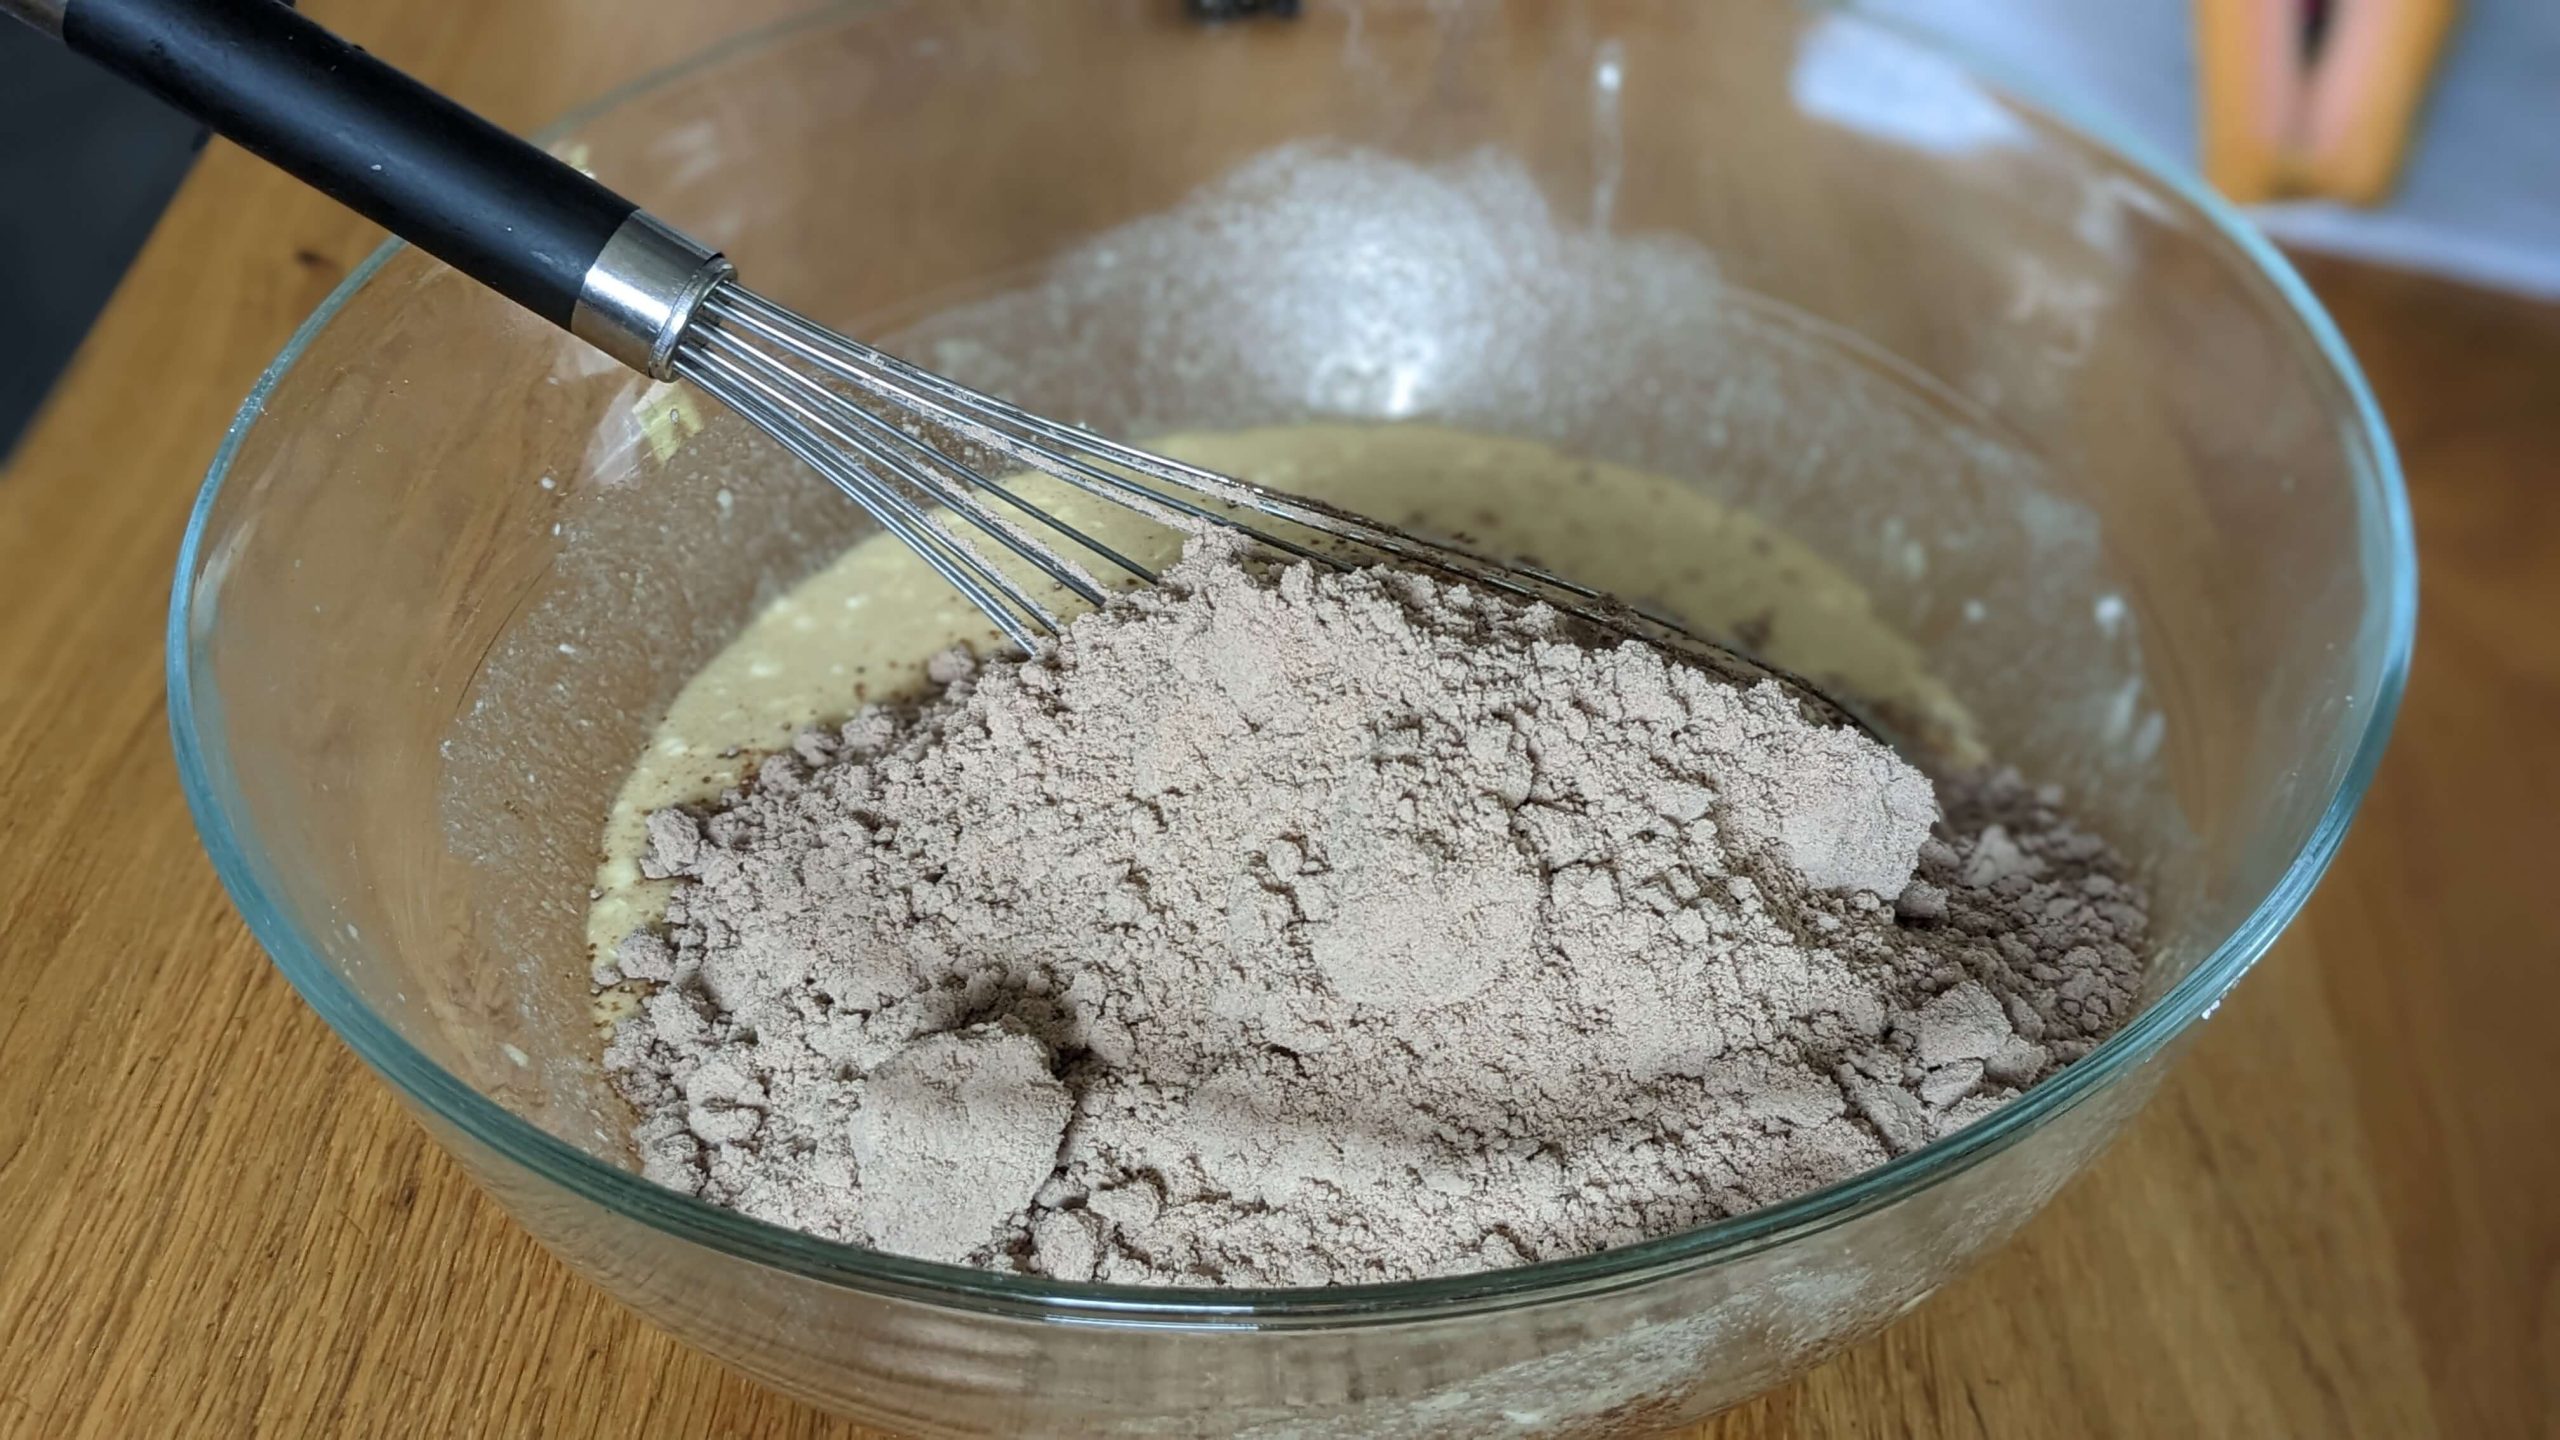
2341	1217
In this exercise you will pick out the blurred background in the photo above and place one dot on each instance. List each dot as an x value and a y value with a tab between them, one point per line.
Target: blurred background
2423	134
87	163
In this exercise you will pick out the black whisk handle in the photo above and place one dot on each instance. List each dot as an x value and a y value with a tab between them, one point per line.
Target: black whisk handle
502	211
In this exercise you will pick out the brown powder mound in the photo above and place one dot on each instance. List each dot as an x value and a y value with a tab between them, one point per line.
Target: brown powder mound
1302	928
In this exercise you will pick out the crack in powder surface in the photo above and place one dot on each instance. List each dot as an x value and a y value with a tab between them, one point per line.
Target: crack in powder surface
1281	927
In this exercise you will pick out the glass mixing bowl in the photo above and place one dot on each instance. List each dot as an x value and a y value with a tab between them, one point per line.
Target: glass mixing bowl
2080	433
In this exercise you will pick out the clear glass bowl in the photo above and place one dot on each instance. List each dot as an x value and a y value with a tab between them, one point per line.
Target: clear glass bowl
2082	434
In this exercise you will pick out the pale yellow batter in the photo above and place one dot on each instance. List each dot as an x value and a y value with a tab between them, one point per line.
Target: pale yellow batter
862	628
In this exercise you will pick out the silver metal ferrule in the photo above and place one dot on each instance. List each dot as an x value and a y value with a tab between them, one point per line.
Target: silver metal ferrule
640	294
45	15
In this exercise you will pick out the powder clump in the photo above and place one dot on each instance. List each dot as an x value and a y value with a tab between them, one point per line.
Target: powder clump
1280	927
986	1087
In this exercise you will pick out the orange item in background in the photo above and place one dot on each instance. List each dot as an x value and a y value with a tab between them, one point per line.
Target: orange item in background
2281	118
2249	82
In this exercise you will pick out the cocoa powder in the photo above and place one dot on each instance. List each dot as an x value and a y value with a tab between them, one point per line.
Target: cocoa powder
1286	927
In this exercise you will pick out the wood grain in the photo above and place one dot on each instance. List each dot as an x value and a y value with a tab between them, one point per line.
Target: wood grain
2337	1220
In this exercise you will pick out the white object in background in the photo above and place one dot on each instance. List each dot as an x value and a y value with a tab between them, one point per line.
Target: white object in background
2478	201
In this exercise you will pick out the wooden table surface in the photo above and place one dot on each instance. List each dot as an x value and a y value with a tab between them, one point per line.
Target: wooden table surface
2341	1217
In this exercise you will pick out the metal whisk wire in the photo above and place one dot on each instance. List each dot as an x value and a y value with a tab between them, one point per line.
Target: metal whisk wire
806	385
803	385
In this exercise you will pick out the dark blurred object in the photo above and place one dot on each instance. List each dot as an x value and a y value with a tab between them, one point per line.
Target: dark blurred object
1240	9
86	165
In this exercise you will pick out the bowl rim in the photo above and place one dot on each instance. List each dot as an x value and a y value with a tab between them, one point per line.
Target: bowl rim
204	772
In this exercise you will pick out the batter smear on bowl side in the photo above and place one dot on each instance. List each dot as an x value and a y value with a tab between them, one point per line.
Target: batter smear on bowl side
1291	927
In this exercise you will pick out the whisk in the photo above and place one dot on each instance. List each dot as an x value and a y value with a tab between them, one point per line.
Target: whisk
905	444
